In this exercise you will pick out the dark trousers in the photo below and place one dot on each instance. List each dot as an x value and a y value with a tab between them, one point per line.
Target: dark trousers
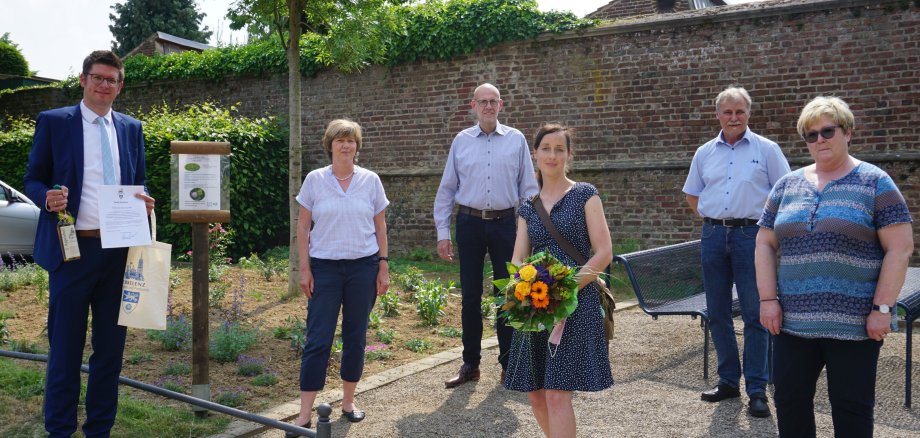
349	285
475	238
851	368
92	282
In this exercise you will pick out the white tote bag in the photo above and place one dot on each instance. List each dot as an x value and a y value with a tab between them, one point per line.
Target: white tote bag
146	284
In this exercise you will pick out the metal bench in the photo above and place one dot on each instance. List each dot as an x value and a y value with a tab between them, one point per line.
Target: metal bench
669	281
909	302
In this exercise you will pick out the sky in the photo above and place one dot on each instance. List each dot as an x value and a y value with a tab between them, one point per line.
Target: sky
55	35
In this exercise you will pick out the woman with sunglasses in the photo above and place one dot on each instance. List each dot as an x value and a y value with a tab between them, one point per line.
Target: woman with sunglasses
843	232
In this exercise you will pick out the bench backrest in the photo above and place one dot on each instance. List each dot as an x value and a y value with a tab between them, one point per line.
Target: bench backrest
664	275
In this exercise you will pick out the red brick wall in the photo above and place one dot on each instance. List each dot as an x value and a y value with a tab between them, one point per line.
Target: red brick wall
639	94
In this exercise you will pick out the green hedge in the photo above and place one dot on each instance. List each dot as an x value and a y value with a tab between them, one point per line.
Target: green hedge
429	31
258	169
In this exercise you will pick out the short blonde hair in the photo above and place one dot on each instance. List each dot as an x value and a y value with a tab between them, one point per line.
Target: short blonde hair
831	107
341	128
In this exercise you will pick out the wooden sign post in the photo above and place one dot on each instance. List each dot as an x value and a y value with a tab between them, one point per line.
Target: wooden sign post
200	193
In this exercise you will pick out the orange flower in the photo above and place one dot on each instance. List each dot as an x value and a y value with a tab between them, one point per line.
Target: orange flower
540	303
522	290
539	291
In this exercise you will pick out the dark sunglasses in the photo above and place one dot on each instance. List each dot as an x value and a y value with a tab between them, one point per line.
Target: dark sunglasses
828	133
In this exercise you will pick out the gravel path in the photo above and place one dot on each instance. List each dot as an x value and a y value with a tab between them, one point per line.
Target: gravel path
657	366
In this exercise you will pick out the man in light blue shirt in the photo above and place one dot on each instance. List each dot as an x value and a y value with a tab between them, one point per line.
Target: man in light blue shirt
489	171
729	181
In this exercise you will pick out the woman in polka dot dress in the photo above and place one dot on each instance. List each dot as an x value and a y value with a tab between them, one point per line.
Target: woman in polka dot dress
550	373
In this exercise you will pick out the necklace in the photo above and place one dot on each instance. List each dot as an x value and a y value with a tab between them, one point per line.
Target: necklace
346	177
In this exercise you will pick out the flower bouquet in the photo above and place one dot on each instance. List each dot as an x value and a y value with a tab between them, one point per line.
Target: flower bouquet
539	294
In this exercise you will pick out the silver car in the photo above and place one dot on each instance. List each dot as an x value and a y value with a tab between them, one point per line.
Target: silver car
18	220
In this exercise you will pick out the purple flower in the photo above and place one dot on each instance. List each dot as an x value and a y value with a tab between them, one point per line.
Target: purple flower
544	275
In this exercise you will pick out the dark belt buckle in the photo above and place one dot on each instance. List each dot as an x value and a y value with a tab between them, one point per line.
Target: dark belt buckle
489	215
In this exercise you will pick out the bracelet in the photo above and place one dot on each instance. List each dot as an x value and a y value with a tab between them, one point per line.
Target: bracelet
384	258
769	299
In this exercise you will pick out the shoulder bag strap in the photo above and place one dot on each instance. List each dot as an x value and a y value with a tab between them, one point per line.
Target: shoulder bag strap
562	241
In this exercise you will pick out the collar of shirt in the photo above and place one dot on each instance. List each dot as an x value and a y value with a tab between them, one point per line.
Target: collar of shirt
90	116
747	136
499	129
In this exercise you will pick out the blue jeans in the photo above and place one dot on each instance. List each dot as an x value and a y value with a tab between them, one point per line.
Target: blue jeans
349	285
851	374
728	258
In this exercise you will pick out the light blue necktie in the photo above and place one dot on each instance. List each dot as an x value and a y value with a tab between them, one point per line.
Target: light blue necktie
108	166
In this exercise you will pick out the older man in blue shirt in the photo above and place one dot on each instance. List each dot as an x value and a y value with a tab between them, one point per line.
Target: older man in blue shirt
489	171
729	181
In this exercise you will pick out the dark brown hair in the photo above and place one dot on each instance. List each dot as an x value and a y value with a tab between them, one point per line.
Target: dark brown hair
552	128
104	57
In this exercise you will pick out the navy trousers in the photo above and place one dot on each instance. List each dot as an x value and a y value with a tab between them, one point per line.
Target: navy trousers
475	238
92	282
349	285
851	370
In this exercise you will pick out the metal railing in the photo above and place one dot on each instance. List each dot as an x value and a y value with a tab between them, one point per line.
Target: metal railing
323	426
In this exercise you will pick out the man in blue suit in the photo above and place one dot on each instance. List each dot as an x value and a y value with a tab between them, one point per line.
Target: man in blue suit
79	149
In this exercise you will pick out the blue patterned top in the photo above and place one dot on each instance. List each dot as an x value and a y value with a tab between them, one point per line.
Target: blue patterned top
830	255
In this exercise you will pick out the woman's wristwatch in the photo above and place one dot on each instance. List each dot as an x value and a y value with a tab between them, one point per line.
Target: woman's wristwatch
882	308
383	258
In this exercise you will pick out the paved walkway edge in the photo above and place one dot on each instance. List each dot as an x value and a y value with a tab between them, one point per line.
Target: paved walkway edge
289	410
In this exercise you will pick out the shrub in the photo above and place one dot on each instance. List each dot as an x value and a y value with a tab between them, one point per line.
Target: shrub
177	336
170	383
389	303
410	280
233	398
374	320
4	333
11	60
377	352
488	308
23	346
230	340
250	366
260	166
418	345
295	330
178	369
385	336
420	255
138	357
451	332
267	379
430	301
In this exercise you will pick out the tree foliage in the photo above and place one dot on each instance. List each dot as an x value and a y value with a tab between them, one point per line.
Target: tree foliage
11	60
135	20
435	30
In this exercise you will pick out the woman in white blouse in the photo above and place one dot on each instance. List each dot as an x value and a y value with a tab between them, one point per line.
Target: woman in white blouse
343	264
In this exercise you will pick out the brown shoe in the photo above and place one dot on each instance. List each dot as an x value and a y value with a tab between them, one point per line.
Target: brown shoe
466	374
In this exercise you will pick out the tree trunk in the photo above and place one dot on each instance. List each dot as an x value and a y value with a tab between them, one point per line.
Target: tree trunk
295	155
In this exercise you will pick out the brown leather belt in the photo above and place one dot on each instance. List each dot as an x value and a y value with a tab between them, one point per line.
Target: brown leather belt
88	233
731	223
486	214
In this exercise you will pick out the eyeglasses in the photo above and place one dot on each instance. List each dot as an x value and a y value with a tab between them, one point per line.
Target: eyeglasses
486	103
828	133
98	80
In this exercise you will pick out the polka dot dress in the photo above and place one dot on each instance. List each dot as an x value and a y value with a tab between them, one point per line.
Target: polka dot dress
581	361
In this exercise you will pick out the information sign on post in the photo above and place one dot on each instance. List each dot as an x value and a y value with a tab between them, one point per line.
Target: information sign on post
200	182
